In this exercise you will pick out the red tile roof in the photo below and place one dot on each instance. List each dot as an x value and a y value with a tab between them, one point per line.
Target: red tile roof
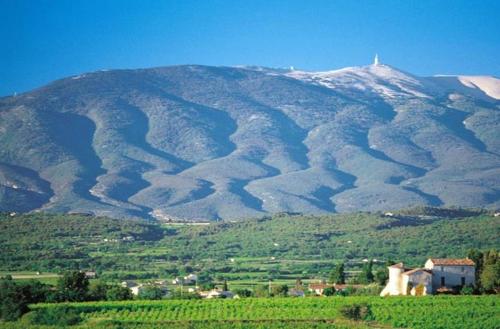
344	286
453	261
315	286
416	270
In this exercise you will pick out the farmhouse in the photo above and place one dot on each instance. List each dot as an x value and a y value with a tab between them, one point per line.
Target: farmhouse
133	286
319	288
90	275
438	274
215	293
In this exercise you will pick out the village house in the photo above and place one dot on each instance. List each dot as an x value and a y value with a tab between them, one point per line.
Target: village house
319	288
296	293
90	275
437	275
215	293
134	287
188	279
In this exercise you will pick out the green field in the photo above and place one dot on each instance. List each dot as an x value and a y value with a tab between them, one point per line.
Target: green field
440	312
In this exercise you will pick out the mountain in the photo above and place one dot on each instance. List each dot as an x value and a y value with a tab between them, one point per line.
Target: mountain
200	142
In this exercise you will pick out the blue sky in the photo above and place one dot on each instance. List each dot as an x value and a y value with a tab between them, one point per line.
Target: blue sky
46	40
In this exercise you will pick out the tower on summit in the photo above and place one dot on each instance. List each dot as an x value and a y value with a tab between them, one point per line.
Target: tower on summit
375	60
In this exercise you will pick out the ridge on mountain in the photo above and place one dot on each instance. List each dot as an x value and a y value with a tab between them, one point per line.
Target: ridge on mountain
203	142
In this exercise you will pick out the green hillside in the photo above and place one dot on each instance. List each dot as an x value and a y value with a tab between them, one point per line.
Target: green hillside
283	246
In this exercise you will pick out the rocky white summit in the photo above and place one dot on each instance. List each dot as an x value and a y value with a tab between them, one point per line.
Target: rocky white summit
199	142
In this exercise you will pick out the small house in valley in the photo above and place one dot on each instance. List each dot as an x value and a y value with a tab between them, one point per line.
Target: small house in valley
90	275
216	293
319	288
134	287
438	274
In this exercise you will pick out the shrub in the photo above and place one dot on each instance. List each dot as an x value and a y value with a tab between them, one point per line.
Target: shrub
419	290
151	292
243	293
467	290
330	291
55	316
118	293
356	312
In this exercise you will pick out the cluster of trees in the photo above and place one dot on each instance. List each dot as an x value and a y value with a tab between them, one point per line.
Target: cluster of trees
487	270
270	290
73	286
366	275
15	297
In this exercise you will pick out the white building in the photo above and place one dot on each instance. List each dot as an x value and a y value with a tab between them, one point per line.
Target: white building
134	287
90	275
188	279
191	278
437	275
449	273
214	293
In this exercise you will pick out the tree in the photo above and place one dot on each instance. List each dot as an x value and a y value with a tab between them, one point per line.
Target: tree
205	280
225	288
419	290
13	302
490	274
73	286
381	276
366	275
298	284
477	257
330	291
261	291
151	292
35	291
15	297
243	293
280	290
118	293
98	290
338	275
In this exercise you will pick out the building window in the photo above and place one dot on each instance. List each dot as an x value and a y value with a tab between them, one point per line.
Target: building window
463	281
443	281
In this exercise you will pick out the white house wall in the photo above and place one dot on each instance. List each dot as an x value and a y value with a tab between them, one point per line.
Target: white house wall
394	285
452	274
